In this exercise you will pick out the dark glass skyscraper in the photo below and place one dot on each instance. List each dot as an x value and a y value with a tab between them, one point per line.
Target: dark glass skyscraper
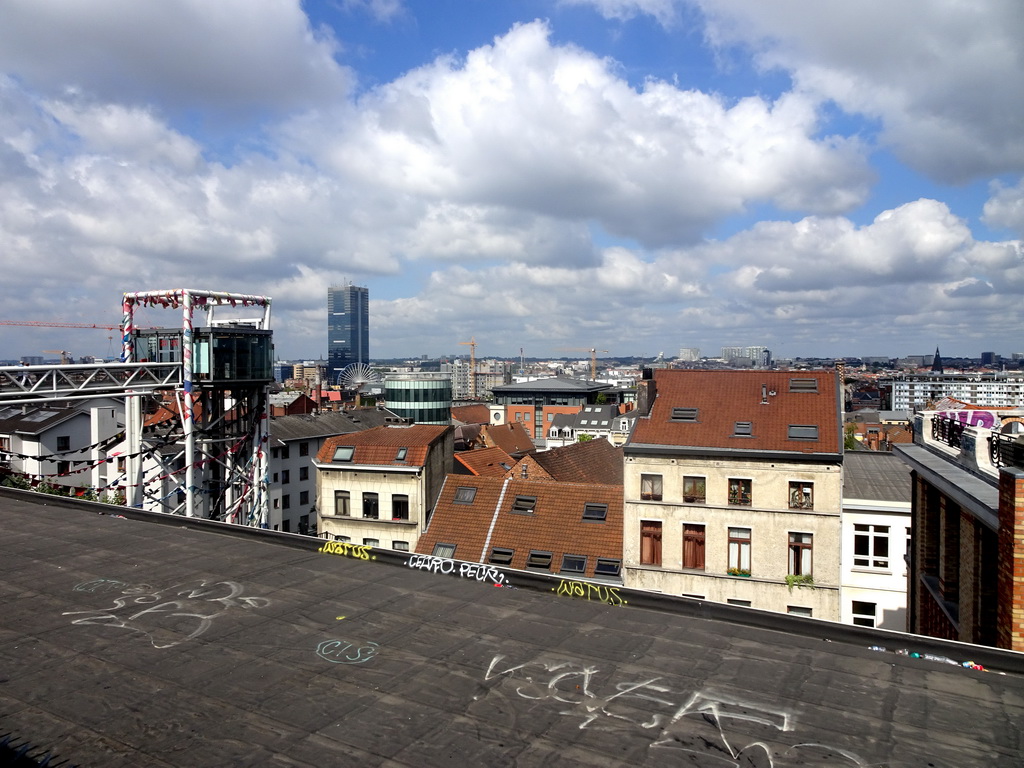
348	328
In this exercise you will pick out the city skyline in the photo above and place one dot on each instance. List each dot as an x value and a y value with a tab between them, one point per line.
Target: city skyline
630	175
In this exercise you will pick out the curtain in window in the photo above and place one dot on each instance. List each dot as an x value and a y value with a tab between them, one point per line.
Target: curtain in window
650	543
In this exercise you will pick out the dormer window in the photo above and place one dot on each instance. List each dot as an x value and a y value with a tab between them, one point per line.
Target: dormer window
400	456
524	505
344	453
803	432
595	512
803	385
684	414
743	429
464	494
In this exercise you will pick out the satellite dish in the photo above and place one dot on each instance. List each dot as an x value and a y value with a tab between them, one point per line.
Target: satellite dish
357	375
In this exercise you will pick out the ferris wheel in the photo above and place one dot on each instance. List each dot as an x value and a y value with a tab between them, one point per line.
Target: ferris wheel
357	375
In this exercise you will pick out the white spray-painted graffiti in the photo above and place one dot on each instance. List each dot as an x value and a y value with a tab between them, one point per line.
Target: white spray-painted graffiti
476	571
729	729
168	616
346	652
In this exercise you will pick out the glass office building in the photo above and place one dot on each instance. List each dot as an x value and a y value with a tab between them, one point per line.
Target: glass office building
348	328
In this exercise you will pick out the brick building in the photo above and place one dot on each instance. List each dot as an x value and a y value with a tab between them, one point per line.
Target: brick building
966	567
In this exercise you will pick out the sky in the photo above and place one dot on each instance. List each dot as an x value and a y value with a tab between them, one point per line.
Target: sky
637	176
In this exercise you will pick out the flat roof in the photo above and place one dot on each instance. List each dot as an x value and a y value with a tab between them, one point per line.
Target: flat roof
126	642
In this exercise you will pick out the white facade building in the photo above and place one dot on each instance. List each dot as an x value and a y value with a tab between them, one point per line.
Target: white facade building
988	390
876	537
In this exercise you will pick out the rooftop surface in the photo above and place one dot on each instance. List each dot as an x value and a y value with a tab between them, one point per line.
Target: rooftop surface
879	476
125	642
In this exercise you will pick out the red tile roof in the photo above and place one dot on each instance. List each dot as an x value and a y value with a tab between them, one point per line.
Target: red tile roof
556	525
478	413
593	461
380	445
485	461
766	399
511	438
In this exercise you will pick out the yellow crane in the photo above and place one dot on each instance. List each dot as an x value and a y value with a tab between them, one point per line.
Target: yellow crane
593	357
472	365
65	358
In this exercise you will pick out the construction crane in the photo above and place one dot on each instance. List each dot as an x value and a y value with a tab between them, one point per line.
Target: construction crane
472	365
45	324
593	357
65	358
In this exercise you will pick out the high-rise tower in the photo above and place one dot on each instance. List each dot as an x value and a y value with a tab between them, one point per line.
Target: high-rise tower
348	328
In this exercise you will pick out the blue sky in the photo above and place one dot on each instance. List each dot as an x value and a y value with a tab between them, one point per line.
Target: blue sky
636	175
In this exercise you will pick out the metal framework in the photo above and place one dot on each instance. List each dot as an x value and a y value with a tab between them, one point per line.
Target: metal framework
196	439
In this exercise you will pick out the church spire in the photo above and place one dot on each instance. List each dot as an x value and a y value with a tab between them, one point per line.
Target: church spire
937	362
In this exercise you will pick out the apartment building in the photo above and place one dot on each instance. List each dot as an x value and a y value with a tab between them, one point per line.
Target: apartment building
984	390
378	487
733	489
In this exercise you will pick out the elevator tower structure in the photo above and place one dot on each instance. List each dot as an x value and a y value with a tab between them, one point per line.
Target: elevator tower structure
200	449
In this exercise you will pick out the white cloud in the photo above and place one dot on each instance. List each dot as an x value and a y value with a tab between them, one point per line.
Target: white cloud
555	131
381	10
664	11
224	56
1006	207
945	77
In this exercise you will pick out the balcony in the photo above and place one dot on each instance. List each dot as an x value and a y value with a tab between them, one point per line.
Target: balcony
1006	450
947	431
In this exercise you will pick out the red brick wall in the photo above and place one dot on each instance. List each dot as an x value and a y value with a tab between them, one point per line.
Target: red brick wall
1010	592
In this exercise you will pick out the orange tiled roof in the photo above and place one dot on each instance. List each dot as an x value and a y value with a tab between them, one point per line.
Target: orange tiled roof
478	413
511	438
592	461
556	525
485	461
723	398
380	445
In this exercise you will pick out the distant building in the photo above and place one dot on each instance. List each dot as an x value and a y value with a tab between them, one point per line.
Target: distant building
915	391
348	328
689	354
422	398
758	357
535	403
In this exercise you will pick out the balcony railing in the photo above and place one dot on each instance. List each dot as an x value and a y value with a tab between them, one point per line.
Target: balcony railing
947	431
1005	451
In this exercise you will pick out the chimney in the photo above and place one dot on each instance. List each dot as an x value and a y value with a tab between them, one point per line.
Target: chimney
646	393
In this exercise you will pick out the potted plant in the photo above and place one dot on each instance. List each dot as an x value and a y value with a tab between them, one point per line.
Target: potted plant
802	580
738	572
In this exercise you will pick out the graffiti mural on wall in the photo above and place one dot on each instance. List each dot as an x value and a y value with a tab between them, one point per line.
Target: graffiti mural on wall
982	419
731	729
167	616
